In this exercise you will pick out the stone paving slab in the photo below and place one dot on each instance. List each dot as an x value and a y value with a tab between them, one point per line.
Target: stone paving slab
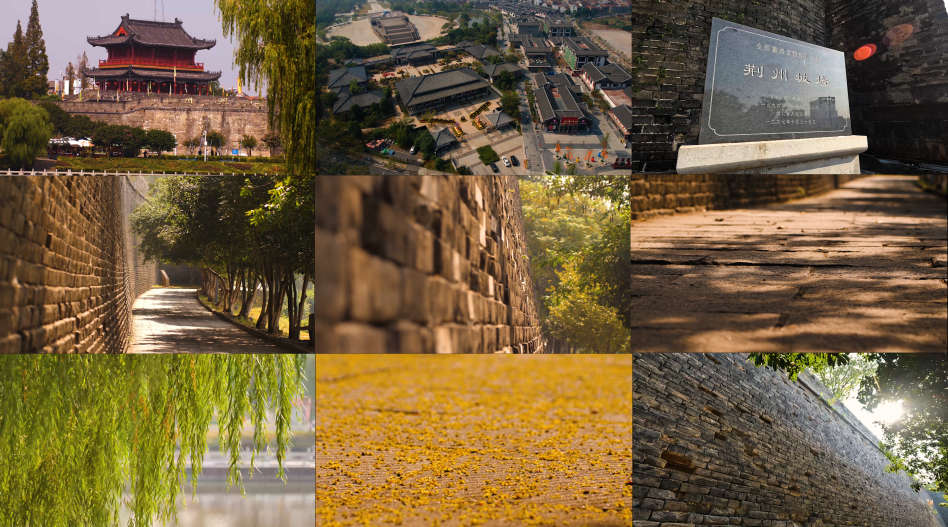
421	441
170	320
858	269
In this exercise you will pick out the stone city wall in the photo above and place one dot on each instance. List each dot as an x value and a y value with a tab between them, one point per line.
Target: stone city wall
422	264
896	98
184	116
717	441
667	194
69	269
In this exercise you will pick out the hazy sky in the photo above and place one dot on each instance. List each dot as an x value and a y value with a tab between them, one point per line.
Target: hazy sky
887	412
67	23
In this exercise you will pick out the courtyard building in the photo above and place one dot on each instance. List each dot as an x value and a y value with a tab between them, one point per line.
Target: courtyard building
622	116
528	26
443	138
557	28
151	56
394	28
498	120
538	54
415	54
364	99
561	110
431	91
340	79
493	71
578	51
480	52
610	77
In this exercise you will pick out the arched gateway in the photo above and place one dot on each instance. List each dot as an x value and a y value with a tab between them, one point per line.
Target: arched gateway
151	56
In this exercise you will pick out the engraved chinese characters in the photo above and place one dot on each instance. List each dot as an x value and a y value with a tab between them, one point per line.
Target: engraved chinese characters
761	86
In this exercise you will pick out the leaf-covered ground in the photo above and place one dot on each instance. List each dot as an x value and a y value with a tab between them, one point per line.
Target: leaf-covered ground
470	440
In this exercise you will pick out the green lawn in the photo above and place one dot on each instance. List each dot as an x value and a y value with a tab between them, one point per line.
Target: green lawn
487	155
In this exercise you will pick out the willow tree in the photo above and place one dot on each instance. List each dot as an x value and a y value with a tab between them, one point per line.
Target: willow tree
276	48
81	437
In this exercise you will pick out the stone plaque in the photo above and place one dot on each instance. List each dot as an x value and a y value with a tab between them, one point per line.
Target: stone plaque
762	87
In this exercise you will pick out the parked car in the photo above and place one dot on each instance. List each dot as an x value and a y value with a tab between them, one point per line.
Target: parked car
506	161
513	161
493	167
412	151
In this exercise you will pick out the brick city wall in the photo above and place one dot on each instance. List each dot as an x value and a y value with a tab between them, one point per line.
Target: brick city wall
422	264
69	269
720	442
667	194
184	116
898	97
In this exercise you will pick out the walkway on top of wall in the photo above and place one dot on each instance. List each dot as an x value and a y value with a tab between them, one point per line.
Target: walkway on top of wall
860	269
170	320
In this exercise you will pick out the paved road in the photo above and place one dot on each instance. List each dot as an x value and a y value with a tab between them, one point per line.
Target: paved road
421	441
849	271
173	321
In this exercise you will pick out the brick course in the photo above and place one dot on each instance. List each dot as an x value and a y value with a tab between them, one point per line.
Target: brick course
896	99
422	264
717	441
69	269
666	194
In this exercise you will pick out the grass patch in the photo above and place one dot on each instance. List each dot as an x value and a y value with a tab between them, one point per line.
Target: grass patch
169	166
487	155
283	326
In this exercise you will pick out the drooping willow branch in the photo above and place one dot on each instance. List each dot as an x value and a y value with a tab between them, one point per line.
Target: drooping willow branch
81	436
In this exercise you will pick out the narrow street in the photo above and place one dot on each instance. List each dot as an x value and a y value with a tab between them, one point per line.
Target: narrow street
170	320
860	269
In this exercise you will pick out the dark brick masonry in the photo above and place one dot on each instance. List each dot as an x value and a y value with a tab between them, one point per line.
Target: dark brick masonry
666	194
69	270
897	98
422	264
717	441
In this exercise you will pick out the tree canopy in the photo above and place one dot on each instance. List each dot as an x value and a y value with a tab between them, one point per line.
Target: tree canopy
83	436
276	47
24	131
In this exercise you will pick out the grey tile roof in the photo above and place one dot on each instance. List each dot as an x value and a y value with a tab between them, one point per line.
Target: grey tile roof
582	47
443	137
559	78
481	52
417	90
364	99
494	70
341	78
413	51
624	114
165	34
553	102
498	119
610	72
121	73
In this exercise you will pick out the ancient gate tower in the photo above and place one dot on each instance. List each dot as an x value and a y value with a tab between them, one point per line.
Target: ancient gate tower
422	264
897	96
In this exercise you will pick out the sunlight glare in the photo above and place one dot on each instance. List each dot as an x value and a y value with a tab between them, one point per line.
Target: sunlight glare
888	412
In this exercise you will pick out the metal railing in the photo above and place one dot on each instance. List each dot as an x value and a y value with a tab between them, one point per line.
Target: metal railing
135	61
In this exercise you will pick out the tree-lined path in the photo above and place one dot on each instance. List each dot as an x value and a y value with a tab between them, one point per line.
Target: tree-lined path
858	269
173	321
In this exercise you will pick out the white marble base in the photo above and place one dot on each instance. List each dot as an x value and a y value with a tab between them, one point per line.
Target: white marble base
823	155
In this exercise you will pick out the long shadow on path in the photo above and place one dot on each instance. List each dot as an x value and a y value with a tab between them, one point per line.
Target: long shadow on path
173	321
860	269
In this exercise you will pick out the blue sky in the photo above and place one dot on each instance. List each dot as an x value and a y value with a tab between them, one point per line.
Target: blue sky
67	23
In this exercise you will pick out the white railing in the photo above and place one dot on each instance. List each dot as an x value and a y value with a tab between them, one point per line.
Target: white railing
103	173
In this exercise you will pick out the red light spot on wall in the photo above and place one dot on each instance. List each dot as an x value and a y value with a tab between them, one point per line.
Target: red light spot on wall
865	52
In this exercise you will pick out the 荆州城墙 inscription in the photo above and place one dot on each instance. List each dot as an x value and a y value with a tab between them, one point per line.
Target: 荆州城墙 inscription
763	87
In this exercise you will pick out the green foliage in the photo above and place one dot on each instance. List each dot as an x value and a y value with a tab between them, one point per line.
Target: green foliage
37	61
130	139
918	442
355	130
796	363
510	103
24	131
14	66
83	436
276	47
580	320
425	144
505	82
329	98
557	168
495	59
216	139
356	113
160	140
487	155
844	378
248	142
354	87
